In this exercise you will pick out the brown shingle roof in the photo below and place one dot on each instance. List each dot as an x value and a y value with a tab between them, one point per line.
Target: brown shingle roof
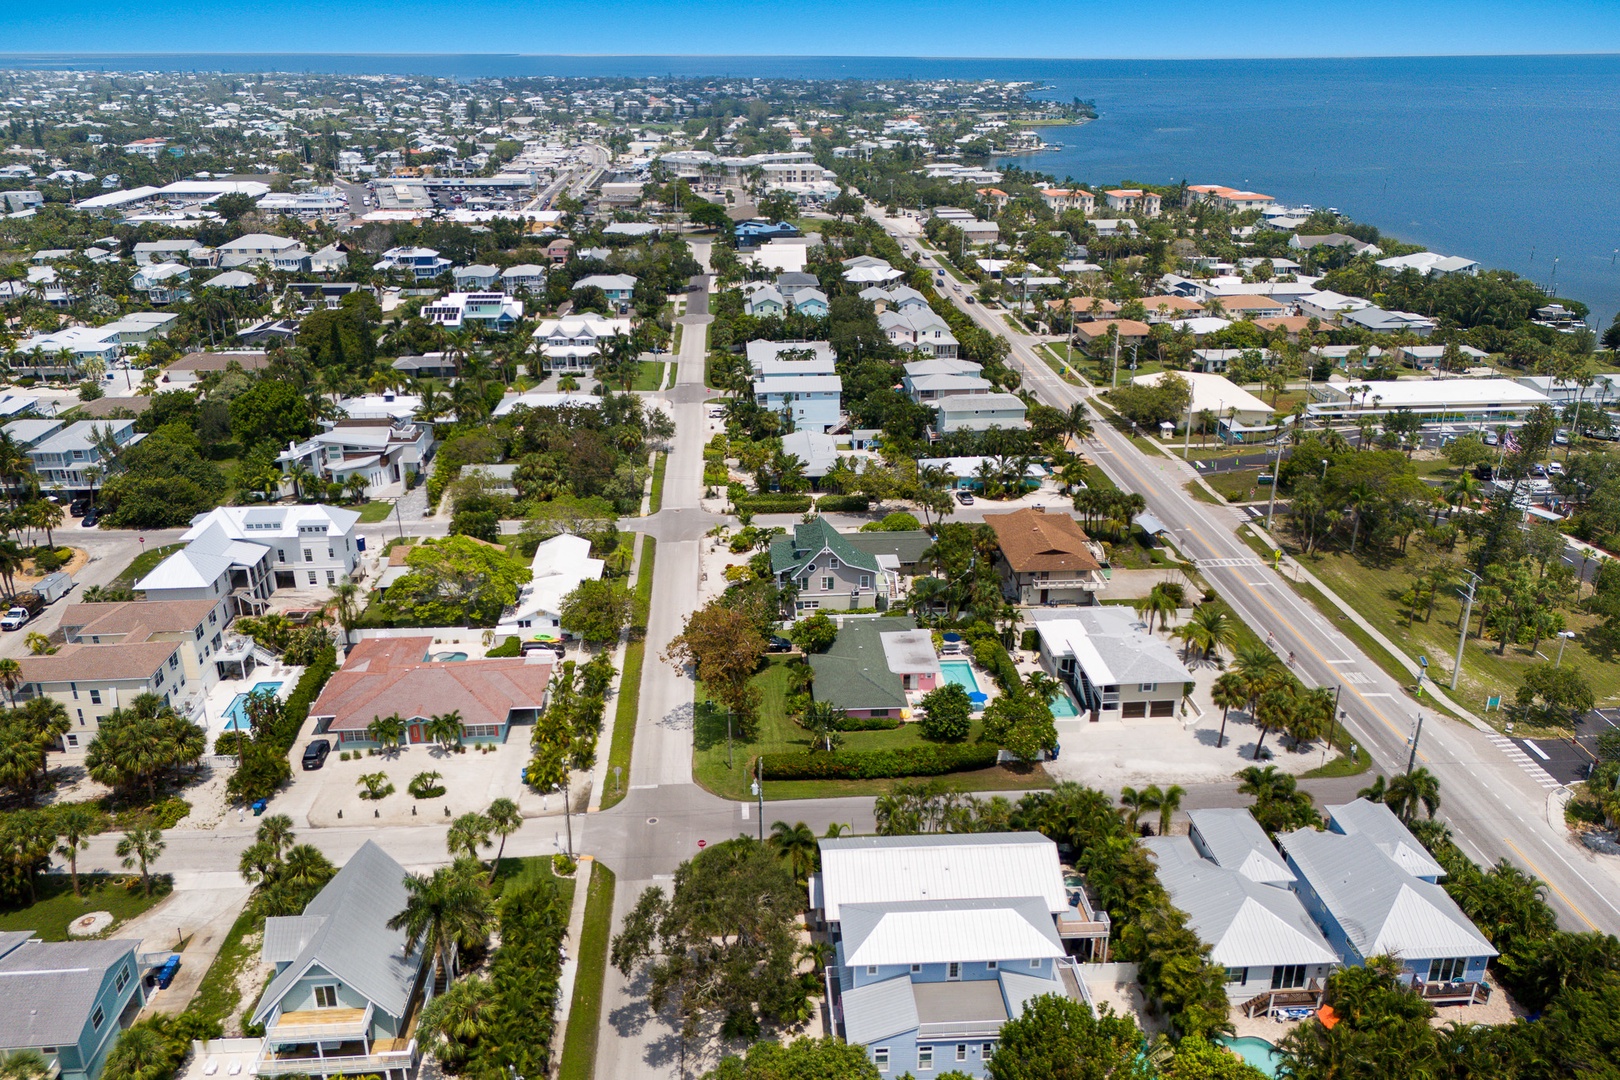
135	619
207	361
1128	328
1032	540
383	676
98	663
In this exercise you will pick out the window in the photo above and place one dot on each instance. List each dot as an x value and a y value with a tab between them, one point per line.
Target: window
121	980
880	1058
871	969
866	581
878	712
157	679
953	970
925	1058
97	1018
1035	964
828	584
1447	970
961	1051
1148	687
309	554
213	618
312	579
199	632
73	740
804	582
990	965
326	997
174	661
95	697
331	577
915	968
832	564
986	1050
281	555
330	554
1237	975
1288	977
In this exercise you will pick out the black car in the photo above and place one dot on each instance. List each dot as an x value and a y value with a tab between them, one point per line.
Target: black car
315	753
79	507
779	644
92	518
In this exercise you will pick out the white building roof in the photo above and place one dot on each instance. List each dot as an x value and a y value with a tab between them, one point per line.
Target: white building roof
1235	841
1378	823
1107	644
255	523
939	931
1216	393
1436	393
979	866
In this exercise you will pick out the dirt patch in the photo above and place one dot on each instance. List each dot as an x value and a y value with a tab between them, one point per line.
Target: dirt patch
29	575
250	982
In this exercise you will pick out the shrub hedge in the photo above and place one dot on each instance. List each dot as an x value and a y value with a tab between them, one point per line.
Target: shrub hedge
879	764
832	504
868	723
773	504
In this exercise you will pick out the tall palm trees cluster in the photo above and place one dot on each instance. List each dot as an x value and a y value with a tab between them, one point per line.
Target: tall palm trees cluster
142	745
1151	799
26	734
1262	685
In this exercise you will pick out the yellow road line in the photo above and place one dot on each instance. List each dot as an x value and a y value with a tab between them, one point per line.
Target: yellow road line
1547	882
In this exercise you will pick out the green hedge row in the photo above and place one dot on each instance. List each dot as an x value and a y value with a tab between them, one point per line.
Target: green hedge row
832	504
868	723
880	764
991	655
773	504
296	710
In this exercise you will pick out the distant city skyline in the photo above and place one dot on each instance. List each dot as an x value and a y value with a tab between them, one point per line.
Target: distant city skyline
1046	29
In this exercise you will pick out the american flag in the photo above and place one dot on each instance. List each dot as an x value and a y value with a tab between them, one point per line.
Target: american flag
1510	444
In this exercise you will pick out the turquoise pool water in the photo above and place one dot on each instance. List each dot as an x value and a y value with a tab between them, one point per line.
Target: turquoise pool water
960	672
449	656
1257	1052
1063	706
236	712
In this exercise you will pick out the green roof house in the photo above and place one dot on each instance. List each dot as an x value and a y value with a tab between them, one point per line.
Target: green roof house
831	573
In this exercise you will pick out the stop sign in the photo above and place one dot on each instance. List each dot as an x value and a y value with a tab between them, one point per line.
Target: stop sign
702	844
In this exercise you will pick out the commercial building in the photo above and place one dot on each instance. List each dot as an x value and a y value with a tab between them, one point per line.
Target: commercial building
1481	400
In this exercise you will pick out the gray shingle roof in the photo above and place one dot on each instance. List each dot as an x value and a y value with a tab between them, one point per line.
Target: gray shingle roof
353	941
47	988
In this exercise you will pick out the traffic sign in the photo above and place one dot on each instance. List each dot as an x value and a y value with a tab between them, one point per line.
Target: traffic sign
702	844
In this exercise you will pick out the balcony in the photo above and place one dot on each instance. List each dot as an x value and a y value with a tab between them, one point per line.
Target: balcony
384	1055
1454	993
319	1025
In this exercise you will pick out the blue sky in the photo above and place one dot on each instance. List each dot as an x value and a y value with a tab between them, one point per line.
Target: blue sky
973	28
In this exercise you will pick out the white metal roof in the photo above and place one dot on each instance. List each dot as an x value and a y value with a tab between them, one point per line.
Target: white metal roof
1379	824
1233	839
937	932
977	866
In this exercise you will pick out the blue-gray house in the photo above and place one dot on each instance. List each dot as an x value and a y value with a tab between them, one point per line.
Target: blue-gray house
940	939
346	993
67	999
1353	883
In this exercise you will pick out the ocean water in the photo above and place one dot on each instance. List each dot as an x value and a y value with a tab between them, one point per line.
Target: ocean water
1507	160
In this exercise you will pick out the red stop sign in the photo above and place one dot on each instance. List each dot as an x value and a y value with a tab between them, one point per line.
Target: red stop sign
703	844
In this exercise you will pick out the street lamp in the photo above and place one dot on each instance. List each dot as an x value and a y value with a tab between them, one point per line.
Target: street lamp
1564	637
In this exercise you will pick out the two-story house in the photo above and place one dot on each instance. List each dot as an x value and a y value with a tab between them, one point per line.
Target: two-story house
918	330
163	282
67	1000
345	984
76	459
929	381
980	412
828	571
619	288
254	248
492	310
424	264
90	681
479	277
808	402
248	552
1373	889
190	251
524	277
1046	558
940	940
198	625
383	454
573	342
1133	201
1113	668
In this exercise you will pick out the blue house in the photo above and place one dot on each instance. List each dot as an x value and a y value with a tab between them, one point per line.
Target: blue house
756	232
68	1000
346	988
619	288
940	939
1352	882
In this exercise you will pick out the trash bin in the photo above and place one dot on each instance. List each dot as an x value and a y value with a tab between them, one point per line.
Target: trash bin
258	806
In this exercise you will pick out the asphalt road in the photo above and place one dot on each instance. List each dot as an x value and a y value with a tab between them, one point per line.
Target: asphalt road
1495	807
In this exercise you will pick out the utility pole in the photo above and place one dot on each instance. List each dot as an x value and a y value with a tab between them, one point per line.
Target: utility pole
1462	637
759	792
1276	465
1333	721
1186	437
1411	759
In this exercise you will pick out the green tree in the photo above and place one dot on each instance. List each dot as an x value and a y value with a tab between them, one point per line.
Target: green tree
724	645
826	1058
597	611
270	411
504	820
141	847
455	580
1553	695
444	912
74	825
797	846
814	633
1020	723
947	713
1056	1038
467	834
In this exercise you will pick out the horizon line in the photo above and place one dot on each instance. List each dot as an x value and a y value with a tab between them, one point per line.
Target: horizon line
813	56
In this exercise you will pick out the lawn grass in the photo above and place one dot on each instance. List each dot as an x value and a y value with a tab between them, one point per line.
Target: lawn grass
1201	493
675	338
1239	485
1064	361
585	1013
523	870
649	375
1343	765
373	512
217	995
629	700
57	907
778	733
143	564
657	499
1098	480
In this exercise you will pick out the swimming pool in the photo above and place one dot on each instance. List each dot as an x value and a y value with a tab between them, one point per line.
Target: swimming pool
449	657
1063	706
960	672
1257	1052
236	712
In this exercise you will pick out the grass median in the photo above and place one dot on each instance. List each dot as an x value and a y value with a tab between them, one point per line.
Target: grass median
585	1013
657	499
629	699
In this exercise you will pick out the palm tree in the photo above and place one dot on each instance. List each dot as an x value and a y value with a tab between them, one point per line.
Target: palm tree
928	595
467	834
1407	791
796	845
1207	632
10	678
1136	803
276	831
1158	602
444	911
140	847
446	729
1169	803
822	719
1230	691
346	605
75	824
1358	500
504	820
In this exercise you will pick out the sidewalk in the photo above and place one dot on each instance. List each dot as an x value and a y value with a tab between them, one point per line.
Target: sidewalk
570	967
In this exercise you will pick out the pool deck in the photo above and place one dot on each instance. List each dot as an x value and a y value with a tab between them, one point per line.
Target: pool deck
222	693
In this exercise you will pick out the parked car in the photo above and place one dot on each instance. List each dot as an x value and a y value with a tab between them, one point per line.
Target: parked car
778	644
78	507
92	518
315	753
1561	437
965	498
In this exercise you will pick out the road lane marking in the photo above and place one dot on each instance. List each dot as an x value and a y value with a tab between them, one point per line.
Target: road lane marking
1545	881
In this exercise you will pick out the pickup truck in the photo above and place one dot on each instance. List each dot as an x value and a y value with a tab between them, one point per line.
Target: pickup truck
24	606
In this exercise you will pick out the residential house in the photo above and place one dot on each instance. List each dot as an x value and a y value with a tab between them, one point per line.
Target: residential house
980	412
619	288
755	232
1113	666
433	365
389	676
492	310
477	278
967	473
994	196
811	402
254	248
559	566
90	681
1046	558
1093	336
1378	321
920	331
1252	307
1328	305
150	252
1428	262
1133	201
898	552
559	250
1226	198
1085	308
1061	200
1425	357
347	988
199	625
524	277
929	381
190	368
424	264
939	940
573	342
876	668
1233	407
1368	904
163	283
323	294
817	450
806	357
76	460
763	301
901	298
1304	242
251	551
1216	361
383	454
68	1000
869	270
331	259
1260	932
828	572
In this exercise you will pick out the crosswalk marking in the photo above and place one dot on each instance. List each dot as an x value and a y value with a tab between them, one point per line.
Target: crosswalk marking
1204	564
1358	677
1515	753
